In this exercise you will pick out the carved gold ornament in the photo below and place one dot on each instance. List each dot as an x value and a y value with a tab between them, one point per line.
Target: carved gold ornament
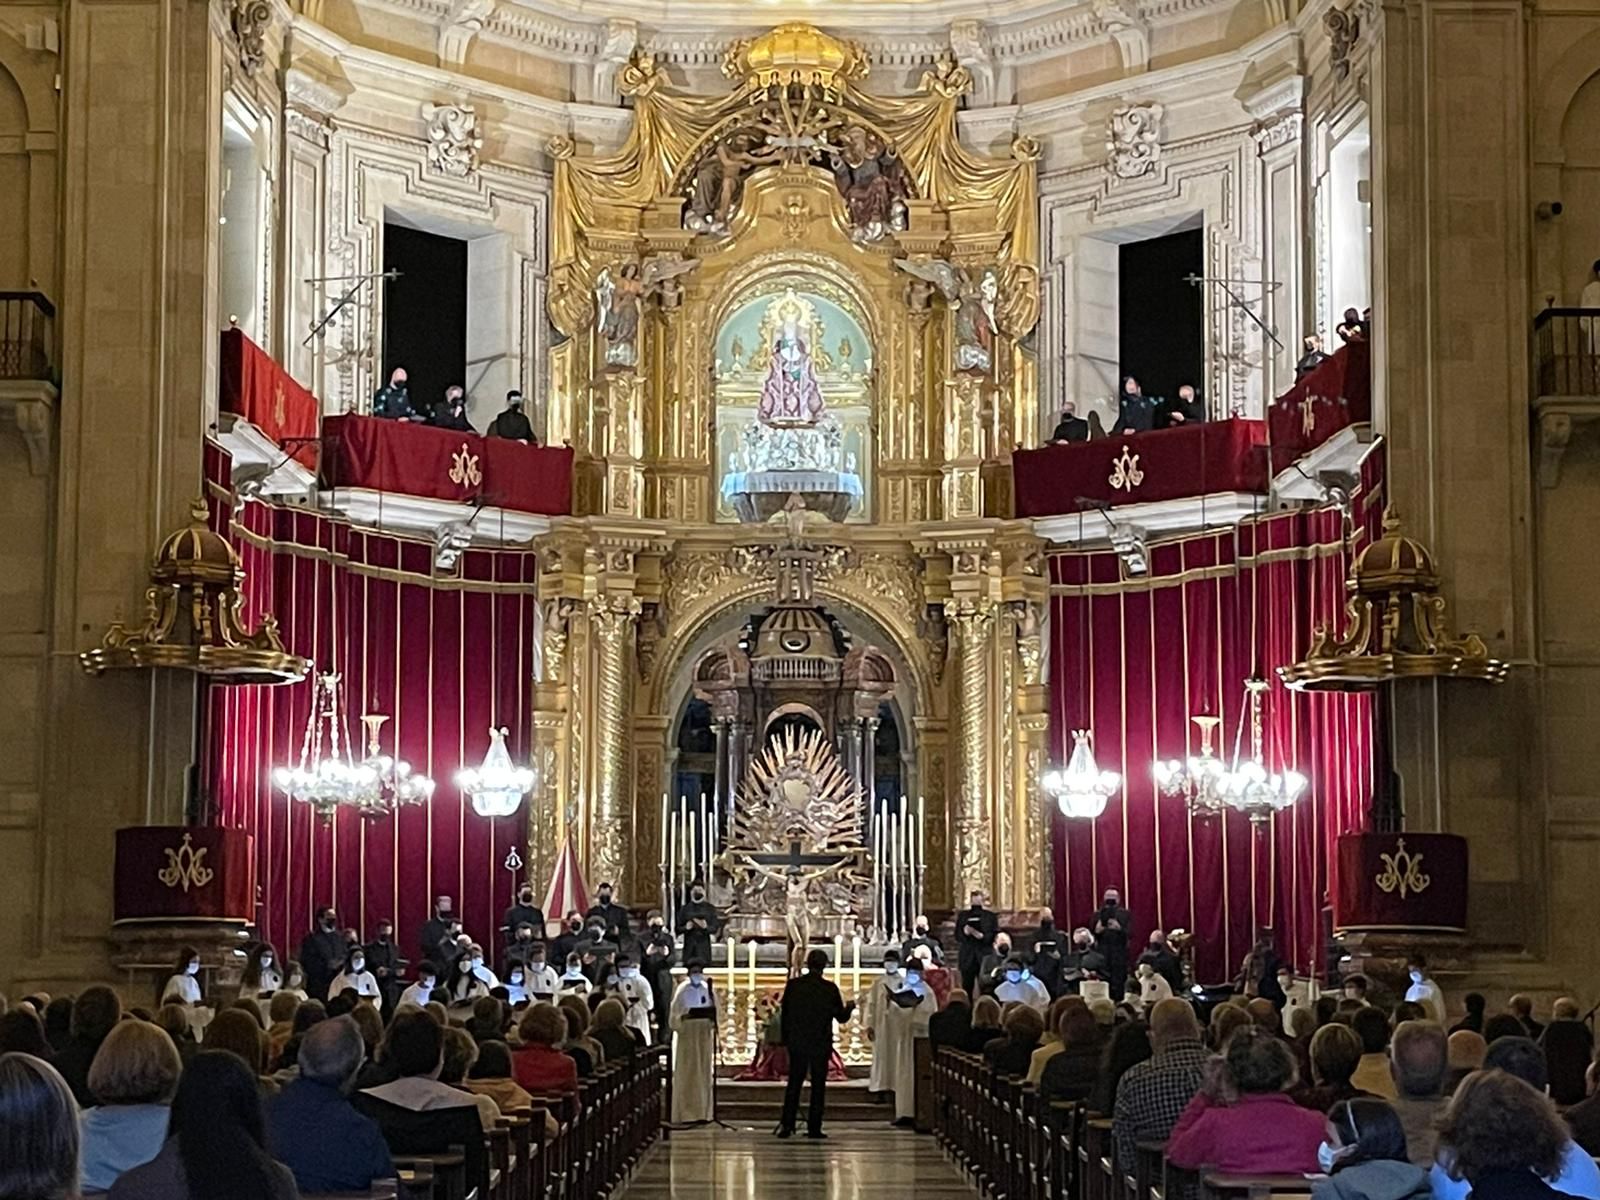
464	469
1125	472
1402	872
1395	626
186	866
192	617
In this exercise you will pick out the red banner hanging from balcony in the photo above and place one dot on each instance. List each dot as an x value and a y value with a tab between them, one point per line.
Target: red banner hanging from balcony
419	460
256	388
1338	393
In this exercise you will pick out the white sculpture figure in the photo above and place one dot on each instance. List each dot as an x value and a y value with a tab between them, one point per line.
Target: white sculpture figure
970	44
1134	140
453	141
622	38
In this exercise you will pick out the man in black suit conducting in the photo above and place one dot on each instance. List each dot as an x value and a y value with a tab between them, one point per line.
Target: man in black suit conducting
811	1004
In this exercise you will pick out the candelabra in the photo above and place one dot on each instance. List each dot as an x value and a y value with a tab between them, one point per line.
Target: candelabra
328	778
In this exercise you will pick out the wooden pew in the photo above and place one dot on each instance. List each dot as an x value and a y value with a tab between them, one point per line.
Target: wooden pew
1216	1185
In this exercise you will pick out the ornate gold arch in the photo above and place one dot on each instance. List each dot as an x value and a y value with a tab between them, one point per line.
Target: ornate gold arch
827	275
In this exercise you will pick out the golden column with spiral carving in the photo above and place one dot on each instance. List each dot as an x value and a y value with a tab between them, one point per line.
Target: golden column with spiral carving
612	618
973	619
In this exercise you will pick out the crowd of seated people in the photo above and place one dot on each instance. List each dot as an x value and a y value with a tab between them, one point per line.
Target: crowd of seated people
1372	1104
393	402
323	1100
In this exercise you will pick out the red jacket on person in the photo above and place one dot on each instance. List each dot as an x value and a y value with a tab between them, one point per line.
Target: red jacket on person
544	1069
1265	1134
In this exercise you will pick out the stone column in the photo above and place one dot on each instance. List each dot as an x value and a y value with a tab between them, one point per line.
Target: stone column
973	622
612	619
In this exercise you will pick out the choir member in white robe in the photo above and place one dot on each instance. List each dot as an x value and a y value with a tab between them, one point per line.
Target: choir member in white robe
634	991
540	978
694	1052
1020	985
881	1075
573	981
420	992
901	1029
355	977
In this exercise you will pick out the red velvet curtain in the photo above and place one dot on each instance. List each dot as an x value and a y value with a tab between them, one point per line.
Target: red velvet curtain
1132	659
442	656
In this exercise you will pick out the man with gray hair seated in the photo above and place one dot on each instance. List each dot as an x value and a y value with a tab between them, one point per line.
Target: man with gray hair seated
1419	1057
313	1129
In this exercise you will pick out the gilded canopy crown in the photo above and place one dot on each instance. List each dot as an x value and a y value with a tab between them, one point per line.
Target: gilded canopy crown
794	53
1394	562
196	554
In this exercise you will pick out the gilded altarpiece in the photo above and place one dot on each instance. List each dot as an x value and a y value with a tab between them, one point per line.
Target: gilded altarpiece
796	276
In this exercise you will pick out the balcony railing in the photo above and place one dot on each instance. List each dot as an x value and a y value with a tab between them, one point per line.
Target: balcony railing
27	335
1566	352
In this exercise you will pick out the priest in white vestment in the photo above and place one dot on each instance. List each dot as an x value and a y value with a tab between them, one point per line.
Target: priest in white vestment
903	1024
882	1071
694	1049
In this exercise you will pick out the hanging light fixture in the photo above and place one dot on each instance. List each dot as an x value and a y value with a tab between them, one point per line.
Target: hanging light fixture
498	786
328	778
1082	789
1197	778
1249	787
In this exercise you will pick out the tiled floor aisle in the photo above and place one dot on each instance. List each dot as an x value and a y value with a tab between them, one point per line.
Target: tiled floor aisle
855	1163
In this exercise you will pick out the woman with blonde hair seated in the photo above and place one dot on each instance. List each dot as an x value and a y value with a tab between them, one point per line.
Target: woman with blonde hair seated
133	1077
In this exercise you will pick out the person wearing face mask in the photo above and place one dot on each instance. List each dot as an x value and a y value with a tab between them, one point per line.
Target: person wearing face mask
523	912
184	982
355	978
1083	962
976	928
1353	988
538	976
992	973
322	953
1045	959
1112	925
521	944
1160	956
468	979
512	423
261	975
920	938
634	991
1019	986
421	992
516	985
567	941
873	1019
658	951
905	1020
385	963
598	952
573	981
1423	990
699	923
437	927
693	1021
1364	1156
614	918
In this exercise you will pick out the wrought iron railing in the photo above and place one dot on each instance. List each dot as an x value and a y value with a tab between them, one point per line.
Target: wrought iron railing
27	335
1566	352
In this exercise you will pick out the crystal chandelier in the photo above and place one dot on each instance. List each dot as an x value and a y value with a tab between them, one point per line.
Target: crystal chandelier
328	778
1082	790
1250	788
1199	777
497	787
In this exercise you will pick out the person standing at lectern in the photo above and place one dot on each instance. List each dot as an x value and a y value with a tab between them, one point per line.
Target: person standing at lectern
811	1005
698	922
1110	927
976	927
694	1033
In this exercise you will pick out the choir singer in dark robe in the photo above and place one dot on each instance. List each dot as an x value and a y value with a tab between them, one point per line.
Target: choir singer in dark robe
1136	412
976	927
452	411
1072	427
699	923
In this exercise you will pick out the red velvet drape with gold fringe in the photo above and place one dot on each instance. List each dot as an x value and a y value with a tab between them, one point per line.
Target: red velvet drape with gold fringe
1133	658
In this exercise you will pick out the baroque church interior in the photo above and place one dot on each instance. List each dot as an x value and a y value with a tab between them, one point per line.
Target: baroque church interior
777	476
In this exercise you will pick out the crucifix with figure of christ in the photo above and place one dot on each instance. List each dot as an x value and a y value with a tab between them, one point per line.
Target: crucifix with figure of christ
791	871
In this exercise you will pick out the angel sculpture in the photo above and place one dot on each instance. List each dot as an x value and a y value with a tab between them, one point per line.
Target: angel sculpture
974	296
620	295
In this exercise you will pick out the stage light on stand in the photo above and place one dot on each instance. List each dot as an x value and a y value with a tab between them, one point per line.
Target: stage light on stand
498	786
1082	790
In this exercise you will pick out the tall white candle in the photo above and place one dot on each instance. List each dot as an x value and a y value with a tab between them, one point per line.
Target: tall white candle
855	966
663	842
752	975
838	957
733	967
